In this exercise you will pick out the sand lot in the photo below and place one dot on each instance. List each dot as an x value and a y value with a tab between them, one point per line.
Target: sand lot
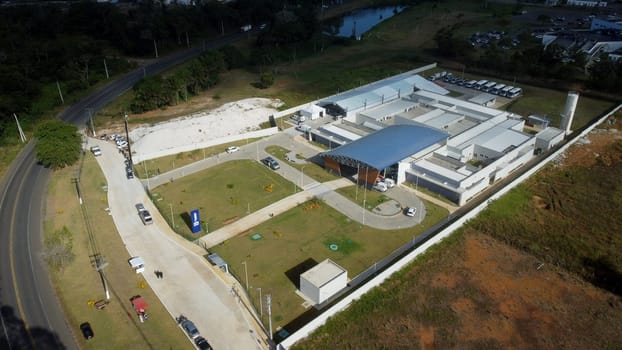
200	128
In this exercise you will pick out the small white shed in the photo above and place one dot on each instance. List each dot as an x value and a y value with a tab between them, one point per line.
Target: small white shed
548	138
312	111
323	281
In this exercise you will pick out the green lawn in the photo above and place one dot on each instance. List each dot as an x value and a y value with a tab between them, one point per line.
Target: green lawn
222	193
551	103
313	170
293	237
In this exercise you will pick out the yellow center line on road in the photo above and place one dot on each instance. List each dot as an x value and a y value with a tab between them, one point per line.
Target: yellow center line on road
20	307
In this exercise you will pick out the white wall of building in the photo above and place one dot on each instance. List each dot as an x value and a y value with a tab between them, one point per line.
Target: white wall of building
319	294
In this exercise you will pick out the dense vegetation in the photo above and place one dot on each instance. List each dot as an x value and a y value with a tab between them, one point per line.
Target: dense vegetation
531	60
72	46
58	144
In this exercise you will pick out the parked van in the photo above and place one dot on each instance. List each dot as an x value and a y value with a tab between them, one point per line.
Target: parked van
299	118
480	84
380	186
470	83
488	86
505	90
389	182
497	89
515	92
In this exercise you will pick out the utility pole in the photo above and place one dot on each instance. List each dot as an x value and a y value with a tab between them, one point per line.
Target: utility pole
155	47
60	93
260	303
22	136
98	259
129	144
106	69
245	273
90	111
172	217
269	307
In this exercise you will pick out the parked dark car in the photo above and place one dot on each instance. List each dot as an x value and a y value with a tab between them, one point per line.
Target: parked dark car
202	344
188	326
87	331
271	163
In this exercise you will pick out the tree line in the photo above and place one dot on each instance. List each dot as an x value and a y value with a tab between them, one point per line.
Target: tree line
72	46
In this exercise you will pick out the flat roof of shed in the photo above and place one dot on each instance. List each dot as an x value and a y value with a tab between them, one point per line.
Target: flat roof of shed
322	273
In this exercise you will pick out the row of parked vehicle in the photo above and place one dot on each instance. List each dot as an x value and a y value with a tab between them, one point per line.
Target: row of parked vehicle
483	85
192	332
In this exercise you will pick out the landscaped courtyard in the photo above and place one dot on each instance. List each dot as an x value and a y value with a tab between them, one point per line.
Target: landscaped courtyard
269	256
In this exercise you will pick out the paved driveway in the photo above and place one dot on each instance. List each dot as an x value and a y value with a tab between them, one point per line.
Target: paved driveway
190	286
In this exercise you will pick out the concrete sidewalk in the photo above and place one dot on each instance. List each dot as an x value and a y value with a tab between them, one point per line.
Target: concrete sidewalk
190	287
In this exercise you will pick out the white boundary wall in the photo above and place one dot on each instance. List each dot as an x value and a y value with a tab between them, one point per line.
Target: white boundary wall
139	157
381	277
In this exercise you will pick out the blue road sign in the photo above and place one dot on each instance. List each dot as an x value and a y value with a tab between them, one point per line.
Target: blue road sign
196	221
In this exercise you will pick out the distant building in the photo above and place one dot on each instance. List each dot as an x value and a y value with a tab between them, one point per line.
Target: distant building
614	23
584	3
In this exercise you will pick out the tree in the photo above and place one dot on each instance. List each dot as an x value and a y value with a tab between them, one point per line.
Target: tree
266	80
58	250
58	144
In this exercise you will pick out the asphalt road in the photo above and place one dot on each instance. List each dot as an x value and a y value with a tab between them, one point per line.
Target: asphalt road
31	317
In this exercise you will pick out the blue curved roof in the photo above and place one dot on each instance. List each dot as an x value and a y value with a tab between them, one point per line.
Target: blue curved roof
387	146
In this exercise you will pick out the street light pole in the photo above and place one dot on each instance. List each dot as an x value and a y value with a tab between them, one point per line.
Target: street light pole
245	273
260	303
172	217
269	307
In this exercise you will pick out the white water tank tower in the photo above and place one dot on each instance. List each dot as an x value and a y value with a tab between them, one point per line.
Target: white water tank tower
569	109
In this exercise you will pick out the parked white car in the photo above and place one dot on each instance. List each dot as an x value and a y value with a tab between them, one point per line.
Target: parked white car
96	151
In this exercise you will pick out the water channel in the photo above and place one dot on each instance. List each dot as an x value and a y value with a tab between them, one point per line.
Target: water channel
360	21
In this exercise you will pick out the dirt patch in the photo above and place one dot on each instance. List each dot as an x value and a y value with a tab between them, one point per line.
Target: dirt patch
595	146
478	293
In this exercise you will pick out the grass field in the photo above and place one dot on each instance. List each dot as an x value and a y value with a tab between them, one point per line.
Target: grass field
313	170
303	233
116	326
222	193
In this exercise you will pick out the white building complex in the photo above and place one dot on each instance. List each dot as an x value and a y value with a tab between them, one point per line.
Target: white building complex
407	128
